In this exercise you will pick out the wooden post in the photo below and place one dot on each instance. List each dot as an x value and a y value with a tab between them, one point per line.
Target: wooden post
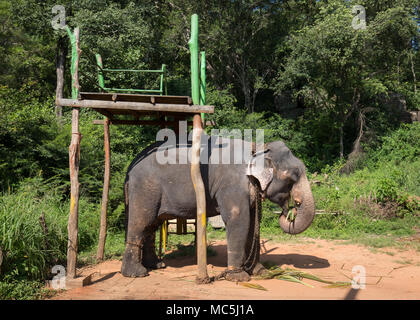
74	157
200	195
105	192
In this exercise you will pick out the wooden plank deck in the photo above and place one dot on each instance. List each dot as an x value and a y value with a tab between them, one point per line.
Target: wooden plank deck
136	106
127	97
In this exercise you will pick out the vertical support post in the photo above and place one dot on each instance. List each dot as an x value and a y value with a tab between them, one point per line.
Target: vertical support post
202	276
99	67
200	196
193	43
105	193
162	78
203	84
74	157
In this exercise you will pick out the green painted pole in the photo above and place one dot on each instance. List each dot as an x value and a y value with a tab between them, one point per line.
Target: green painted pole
162	76
203	84
101	80
193	43
74	61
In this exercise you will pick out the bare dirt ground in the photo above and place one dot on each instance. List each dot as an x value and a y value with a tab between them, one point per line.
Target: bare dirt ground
390	274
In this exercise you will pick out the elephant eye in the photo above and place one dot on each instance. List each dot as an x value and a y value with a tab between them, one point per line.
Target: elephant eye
298	203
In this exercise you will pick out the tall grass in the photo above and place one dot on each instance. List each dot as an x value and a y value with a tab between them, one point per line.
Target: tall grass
31	248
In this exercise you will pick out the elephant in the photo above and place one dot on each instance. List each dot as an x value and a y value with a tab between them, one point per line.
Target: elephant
155	191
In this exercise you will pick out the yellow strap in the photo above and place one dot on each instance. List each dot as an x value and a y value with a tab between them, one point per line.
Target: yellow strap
164	234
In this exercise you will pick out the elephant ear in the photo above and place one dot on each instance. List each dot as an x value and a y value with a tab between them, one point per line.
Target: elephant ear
260	167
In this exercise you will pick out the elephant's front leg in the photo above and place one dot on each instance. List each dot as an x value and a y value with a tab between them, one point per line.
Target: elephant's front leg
237	220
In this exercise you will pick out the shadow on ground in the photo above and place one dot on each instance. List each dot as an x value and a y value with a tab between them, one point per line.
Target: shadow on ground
219	259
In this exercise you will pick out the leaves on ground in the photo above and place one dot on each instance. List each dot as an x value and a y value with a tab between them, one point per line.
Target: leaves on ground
294	275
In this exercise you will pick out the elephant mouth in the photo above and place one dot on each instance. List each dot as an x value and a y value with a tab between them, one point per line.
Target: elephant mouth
290	209
299	211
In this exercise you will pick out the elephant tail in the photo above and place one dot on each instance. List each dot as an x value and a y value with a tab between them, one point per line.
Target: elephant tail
126	207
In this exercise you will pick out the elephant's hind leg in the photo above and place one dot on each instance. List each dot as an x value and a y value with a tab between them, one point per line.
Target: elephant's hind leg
149	258
142	213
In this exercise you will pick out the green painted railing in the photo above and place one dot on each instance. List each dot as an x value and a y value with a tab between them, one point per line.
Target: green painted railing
101	81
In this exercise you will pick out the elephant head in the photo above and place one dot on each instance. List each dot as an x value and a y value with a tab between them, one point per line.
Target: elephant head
283	178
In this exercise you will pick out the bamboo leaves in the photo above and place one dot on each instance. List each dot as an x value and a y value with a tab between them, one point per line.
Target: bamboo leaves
293	275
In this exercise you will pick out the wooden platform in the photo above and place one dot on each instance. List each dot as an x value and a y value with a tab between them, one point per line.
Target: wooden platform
136	106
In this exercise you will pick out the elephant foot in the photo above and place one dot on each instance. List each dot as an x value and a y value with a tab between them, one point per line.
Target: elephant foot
131	266
259	270
237	276
133	270
158	264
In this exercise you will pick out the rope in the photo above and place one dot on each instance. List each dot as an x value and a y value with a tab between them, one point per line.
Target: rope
223	274
256	210
253	257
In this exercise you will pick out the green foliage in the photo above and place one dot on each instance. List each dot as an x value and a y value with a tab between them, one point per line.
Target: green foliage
23	289
24	124
401	146
391	176
29	249
343	73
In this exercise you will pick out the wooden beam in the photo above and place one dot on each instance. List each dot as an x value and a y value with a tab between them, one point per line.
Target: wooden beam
106	113
137	106
141	122
105	193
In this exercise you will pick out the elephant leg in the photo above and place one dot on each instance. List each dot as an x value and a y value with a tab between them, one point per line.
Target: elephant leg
150	259
131	265
237	222
141	217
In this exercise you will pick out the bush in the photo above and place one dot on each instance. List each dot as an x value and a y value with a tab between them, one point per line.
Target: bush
30	250
400	147
22	289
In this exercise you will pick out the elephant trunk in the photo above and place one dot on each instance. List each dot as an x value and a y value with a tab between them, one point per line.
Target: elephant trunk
304	211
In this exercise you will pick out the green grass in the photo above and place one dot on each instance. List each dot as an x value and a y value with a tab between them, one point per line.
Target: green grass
23	289
29	250
356	227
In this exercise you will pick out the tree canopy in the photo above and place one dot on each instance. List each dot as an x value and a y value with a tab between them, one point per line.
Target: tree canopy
299	69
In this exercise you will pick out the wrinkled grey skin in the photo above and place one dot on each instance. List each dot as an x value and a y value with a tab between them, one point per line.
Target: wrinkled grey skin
155	192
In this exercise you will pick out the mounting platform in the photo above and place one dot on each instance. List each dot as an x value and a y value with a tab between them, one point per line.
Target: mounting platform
112	105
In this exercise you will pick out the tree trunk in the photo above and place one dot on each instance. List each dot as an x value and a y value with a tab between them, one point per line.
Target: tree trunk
1	258
247	94
60	65
413	72
341	142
